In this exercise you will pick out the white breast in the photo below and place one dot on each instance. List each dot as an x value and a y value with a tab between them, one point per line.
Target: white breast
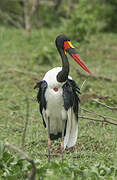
55	103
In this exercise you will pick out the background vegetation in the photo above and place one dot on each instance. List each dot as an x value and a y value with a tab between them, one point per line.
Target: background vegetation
27	51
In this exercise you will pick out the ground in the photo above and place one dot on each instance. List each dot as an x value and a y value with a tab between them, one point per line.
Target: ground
23	62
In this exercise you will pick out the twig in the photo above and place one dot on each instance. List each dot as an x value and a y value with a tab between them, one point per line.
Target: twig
30	160
95	77
82	85
26	123
97	114
109	107
27	115
90	118
99	120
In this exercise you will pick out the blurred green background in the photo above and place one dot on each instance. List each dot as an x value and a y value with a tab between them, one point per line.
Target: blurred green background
28	29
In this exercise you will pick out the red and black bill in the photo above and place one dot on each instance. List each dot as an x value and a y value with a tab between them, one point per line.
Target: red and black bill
68	47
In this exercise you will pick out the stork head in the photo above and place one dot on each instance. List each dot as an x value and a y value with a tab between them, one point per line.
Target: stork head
63	42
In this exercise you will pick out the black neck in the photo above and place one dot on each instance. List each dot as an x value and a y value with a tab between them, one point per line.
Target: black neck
62	76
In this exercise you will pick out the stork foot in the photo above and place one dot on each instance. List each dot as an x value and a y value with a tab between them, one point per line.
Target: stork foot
49	145
62	150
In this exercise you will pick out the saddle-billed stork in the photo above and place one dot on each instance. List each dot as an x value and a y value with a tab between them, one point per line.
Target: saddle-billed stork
58	98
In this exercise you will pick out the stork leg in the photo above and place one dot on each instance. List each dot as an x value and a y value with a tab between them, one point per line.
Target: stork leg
49	140
62	143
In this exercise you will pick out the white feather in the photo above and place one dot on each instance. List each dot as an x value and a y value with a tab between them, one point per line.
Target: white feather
73	131
50	77
68	128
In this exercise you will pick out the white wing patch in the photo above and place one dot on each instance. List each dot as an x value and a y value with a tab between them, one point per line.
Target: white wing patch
71	129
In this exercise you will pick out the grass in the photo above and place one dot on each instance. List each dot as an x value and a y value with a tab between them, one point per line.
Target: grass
23	62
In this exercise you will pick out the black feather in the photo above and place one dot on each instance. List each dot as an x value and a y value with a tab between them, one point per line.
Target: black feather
70	96
42	85
59	134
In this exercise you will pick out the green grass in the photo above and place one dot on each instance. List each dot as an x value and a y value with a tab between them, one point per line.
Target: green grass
23	62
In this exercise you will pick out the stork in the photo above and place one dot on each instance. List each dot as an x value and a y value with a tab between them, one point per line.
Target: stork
58	98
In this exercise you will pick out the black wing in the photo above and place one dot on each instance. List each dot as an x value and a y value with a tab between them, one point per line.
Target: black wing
70	96
42	85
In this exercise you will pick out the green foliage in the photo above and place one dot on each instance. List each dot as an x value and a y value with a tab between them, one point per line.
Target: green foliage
11	168
56	170
85	17
110	10
82	20
48	17
88	17
11	13
15	168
